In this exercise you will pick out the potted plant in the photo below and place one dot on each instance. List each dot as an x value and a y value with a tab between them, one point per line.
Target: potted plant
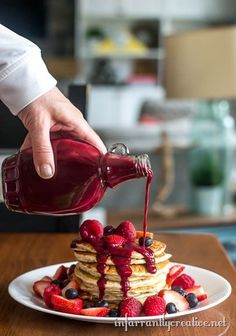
207	180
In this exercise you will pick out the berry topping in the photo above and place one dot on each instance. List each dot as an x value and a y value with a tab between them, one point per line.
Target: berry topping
179	290
72	284
174	272
39	287
174	297
171	308
115	241
49	292
95	311
102	303
61	273
114	312
71	293
184	280
130	307
192	300
198	291
154	305
67	306
91	230
140	234
109	229
127	230
148	241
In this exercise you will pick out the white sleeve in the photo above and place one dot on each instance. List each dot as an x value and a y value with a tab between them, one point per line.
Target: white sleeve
23	74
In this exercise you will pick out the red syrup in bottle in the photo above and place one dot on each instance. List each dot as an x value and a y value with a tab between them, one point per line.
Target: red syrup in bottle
82	175
121	256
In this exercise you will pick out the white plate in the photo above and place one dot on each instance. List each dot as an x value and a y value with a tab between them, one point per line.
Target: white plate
216	286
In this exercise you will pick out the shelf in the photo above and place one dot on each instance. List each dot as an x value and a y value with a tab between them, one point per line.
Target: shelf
154	54
156	222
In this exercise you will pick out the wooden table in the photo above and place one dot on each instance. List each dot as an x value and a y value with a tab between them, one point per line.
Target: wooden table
24	252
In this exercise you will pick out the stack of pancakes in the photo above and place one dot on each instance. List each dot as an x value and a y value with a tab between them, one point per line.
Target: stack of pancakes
141	282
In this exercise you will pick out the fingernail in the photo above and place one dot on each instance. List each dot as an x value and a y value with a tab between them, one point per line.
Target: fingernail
46	171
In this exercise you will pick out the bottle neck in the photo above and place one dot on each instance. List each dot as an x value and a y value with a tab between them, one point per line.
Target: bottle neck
120	168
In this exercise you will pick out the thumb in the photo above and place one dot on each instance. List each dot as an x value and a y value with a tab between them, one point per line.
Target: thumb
42	152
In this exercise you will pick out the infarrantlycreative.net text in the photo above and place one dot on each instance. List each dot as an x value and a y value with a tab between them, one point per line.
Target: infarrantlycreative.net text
194	322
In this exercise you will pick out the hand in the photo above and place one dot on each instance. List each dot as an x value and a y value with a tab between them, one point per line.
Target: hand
53	114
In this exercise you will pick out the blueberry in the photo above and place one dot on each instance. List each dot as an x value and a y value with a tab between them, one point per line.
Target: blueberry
148	241
171	308
179	290
57	283
192	300
71	293
102	303
114	312
108	230
88	305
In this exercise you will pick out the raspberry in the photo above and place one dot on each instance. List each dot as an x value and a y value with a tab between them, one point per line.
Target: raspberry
130	307
91	230
184	280
154	305
127	230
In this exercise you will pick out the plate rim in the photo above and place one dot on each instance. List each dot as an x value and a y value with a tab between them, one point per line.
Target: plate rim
84	318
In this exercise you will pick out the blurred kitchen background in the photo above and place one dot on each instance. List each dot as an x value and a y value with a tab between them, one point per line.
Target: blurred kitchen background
162	80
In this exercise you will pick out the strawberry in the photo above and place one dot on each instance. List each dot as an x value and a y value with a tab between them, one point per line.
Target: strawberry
70	271
46	278
154	305
174	297
174	272
127	230
130	307
91	230
198	291
49	292
39	287
95	311
61	304
61	273
184	280
115	240
140	234
71	284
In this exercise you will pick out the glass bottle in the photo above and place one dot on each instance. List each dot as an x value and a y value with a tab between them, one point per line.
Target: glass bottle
82	175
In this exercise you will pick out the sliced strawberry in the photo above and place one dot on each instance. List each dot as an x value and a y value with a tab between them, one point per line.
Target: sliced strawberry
49	292
171	296
39	287
198	291
95	311
115	240
61	304
174	272
61	273
140	234
71	284
46	278
70	271
185	281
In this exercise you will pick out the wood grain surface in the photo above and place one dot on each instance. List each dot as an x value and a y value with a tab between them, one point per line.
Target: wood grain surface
24	252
